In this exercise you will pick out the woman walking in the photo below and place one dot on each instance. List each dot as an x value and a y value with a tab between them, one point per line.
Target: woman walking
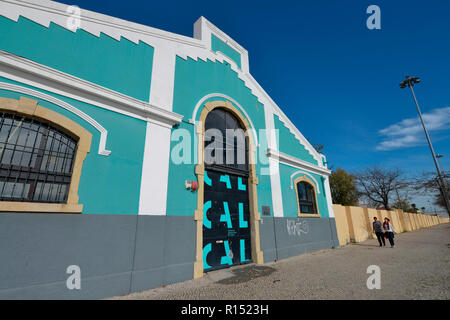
389	231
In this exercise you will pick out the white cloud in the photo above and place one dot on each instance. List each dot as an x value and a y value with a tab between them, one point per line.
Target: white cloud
409	132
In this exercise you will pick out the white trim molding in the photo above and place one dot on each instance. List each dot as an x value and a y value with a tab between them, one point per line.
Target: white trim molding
303	172
155	170
203	29
45	78
193	120
163	77
275	183
45	12
329	198
274	165
297	163
103	132
305	169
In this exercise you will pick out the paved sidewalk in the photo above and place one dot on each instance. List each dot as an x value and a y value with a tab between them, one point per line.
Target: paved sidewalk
417	268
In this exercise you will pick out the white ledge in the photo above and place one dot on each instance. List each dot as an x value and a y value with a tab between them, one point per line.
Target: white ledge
45	11
32	73
103	132
297	163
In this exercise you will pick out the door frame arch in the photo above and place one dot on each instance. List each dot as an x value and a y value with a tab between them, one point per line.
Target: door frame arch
255	217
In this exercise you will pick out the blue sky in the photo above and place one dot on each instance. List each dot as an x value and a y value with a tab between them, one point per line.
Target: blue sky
335	79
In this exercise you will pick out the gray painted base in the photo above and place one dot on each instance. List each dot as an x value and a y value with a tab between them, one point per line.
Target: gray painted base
117	254
286	237
120	254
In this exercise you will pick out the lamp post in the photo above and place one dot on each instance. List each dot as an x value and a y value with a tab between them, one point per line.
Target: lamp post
410	82
438	156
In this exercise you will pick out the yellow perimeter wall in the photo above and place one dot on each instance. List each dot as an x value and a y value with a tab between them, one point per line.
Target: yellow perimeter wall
354	224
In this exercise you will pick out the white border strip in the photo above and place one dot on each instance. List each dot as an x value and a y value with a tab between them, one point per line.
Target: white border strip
221	95
303	172
199	47
103	132
329	198
297	163
22	70
44	11
155	170
203	29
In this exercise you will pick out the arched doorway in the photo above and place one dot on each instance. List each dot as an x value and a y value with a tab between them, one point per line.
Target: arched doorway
227	216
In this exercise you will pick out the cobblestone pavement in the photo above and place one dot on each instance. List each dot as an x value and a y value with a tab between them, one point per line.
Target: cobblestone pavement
417	268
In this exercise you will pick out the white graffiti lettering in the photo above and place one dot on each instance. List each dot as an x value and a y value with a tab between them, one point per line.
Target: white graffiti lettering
295	228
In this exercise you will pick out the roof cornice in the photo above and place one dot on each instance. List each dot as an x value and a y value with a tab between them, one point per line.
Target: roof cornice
112	26
40	76
297	163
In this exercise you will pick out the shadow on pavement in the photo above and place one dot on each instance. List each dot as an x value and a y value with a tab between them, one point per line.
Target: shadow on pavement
247	273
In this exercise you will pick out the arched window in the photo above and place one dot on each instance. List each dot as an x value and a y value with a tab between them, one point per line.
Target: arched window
41	158
36	160
226	143
306	197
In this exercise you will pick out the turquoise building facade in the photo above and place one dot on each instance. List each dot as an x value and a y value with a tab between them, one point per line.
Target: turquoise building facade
137	98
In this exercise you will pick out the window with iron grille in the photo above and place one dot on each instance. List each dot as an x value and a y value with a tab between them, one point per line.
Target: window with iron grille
36	160
306	198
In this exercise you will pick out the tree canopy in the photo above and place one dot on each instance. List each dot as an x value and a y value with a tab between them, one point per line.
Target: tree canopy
378	184
343	188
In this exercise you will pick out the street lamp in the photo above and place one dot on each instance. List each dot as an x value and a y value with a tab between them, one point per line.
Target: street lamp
438	156
410	82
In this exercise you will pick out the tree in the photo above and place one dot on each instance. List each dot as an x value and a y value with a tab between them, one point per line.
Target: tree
317	146
402	201
429	182
402	204
343	188
377	184
439	199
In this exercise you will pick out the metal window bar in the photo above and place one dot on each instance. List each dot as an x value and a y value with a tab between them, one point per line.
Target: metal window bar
43	177
36	138
306	201
4	147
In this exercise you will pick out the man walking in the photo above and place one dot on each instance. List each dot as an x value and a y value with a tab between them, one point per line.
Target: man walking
378	230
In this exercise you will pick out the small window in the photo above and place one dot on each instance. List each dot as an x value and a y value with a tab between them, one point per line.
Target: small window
36	160
306	198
